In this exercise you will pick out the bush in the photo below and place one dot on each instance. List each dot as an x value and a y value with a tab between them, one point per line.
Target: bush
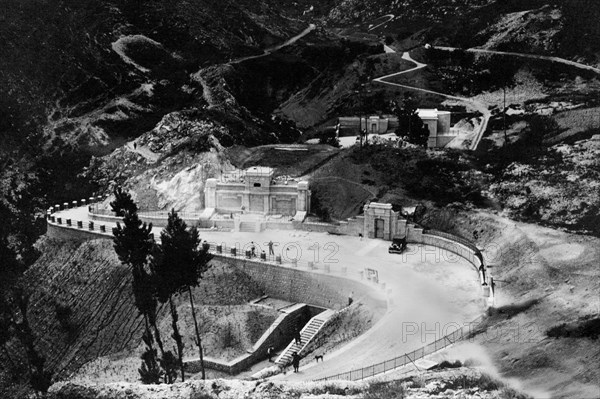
385	390
63	314
584	328
449	365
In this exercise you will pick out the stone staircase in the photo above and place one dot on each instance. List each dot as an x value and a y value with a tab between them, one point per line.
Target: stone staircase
248	227
307	334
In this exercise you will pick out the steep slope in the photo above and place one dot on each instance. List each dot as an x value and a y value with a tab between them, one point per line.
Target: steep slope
544	328
82	308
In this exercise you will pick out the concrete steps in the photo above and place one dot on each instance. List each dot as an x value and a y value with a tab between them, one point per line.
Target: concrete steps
307	334
248	227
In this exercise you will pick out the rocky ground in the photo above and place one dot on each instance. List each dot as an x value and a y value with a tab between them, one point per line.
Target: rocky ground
465	383
560	190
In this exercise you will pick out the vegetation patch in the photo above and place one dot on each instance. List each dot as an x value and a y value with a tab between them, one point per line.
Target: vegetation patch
585	327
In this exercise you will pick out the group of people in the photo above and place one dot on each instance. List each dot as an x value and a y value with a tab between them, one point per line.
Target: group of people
262	253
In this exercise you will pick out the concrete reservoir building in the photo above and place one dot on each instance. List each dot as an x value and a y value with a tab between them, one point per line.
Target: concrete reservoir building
256	190
438	123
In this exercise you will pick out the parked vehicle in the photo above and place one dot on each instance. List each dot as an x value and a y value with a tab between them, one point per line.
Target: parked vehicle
398	245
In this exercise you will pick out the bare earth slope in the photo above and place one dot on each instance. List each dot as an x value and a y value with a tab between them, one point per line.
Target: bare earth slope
545	277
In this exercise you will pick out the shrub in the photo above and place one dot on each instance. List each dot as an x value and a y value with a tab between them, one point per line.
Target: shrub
63	314
385	390
585	328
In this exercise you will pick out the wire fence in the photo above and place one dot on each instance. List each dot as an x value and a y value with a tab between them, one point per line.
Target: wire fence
407	358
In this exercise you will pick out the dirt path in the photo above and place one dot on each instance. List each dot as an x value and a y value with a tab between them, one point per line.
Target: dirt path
532	56
144	151
477	105
270	50
389	18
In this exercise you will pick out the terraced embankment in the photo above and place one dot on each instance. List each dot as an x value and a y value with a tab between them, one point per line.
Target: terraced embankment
82	307
93	289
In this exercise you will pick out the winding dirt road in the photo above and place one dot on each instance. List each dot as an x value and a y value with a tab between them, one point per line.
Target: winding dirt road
271	50
477	105
522	55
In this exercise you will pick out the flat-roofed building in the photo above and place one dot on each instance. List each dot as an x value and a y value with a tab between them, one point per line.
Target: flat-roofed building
257	190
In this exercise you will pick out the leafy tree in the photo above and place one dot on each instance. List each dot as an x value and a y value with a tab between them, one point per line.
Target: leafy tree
185	262
123	203
409	122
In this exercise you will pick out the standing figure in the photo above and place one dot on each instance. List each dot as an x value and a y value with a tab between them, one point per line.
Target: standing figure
271	252
297	337
252	249
295	361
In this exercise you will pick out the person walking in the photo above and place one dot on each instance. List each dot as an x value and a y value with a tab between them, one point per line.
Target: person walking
271	252
295	361
252	249
297	337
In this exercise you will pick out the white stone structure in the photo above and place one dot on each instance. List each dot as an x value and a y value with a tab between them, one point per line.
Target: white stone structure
256	190
438	123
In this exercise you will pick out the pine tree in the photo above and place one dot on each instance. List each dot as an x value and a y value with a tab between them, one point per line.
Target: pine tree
184	262
123	203
135	247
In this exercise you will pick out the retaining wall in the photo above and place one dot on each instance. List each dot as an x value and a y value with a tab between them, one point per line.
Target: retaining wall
279	334
64	232
418	236
313	288
158	221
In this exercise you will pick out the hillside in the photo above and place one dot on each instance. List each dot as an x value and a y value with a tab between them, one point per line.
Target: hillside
81	308
156	96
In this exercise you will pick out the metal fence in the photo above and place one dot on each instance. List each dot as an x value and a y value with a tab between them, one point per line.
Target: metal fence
407	358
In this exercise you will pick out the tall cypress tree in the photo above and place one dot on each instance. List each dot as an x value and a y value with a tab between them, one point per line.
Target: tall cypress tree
186	261
135	246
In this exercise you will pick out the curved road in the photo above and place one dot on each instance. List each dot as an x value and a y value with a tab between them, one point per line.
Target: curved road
430	291
478	105
270	50
389	18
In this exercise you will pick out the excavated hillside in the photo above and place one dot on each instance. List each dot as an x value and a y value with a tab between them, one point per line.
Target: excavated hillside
82	307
